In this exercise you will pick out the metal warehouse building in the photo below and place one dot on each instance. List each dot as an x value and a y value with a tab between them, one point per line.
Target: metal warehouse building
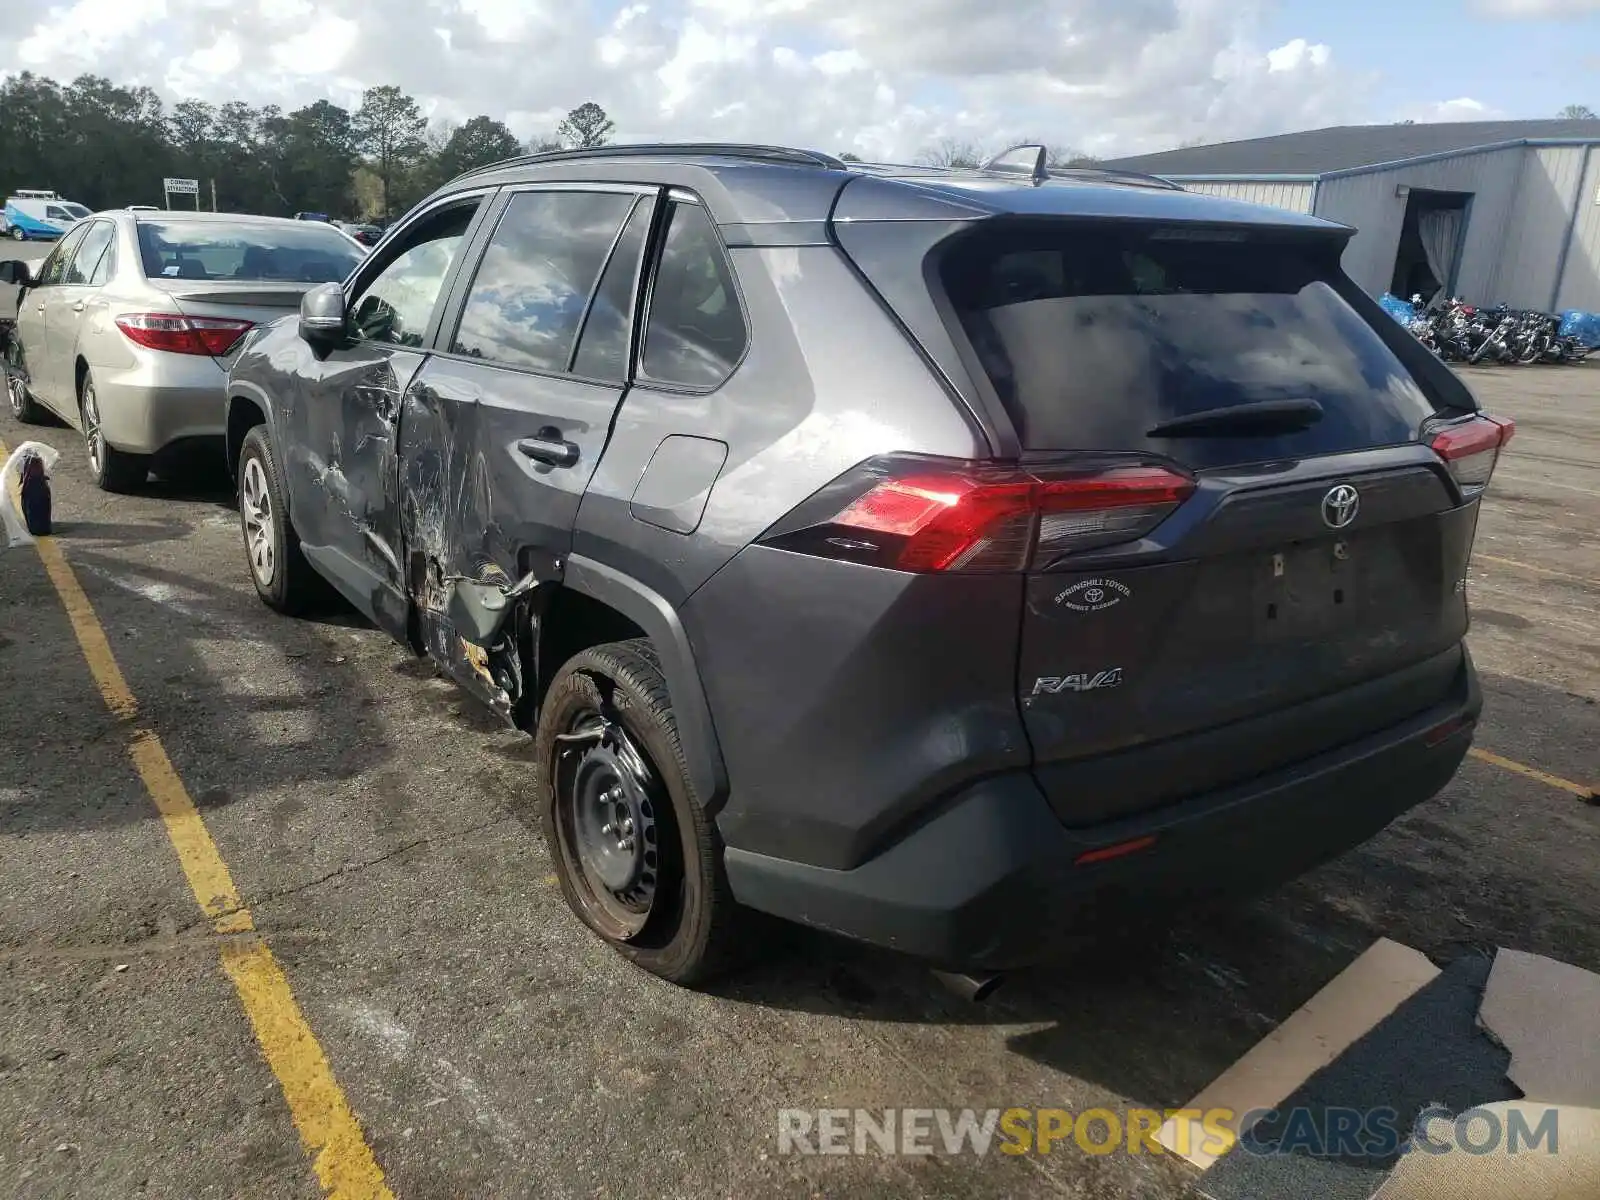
1495	211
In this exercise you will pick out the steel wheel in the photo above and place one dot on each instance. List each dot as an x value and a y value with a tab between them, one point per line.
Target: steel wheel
255	510
91	429
17	394
606	813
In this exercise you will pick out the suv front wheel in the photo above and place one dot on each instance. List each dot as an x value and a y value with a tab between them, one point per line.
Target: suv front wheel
637	858
282	576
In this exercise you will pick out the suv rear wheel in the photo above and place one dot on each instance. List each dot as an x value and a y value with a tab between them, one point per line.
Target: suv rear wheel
638	860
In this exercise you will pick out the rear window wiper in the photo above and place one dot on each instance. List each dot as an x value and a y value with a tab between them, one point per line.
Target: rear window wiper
1257	416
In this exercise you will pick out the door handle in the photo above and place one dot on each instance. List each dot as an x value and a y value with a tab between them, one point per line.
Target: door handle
78	307
548	446
39	309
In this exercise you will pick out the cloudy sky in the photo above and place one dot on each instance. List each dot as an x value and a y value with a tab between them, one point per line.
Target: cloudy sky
885	78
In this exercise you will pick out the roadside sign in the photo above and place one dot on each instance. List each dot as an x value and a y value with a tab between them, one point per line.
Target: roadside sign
183	187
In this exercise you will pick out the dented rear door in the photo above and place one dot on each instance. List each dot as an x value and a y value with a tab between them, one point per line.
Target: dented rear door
508	419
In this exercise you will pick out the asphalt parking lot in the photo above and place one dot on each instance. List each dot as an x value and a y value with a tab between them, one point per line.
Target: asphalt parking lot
371	819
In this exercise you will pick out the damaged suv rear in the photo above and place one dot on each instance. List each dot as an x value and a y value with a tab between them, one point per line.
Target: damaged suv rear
935	558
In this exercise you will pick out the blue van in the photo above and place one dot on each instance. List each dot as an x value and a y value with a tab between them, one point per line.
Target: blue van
33	213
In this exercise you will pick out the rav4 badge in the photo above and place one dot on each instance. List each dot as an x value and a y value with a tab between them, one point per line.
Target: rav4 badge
1084	681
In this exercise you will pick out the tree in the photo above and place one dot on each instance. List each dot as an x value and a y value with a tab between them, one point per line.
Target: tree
951	152
846	156
1577	112
479	142
543	143
389	127
317	154
586	127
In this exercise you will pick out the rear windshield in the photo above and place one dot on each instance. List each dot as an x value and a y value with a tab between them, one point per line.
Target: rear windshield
1093	336
299	253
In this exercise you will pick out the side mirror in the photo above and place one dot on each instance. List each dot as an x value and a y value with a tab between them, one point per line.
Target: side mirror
322	314
16	272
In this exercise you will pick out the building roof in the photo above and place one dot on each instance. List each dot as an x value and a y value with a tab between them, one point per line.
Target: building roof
1348	147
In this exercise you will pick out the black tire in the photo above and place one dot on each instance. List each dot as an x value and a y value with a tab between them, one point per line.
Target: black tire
23	406
17	235
288	583
111	469
691	932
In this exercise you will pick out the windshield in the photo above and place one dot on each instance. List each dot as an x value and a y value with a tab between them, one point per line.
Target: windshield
299	253
77	211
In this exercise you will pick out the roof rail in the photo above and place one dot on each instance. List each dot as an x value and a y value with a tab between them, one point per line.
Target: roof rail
1030	162
1133	178
771	154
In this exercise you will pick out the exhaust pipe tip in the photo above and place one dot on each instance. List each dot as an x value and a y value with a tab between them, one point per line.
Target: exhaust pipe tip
973	988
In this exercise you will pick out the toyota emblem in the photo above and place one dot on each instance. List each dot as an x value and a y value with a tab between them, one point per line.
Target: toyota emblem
1340	505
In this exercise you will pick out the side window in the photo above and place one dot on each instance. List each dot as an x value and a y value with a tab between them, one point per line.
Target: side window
694	333
95	245
56	265
397	304
603	344
101	275
536	277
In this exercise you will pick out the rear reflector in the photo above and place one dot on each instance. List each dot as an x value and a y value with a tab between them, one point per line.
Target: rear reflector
970	517
1472	447
1115	850
1447	730
176	333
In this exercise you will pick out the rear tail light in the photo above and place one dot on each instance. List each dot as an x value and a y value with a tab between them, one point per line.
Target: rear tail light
176	333
913	516
1471	448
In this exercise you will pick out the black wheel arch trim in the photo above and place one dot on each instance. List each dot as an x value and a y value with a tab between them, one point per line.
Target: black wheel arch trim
240	392
654	614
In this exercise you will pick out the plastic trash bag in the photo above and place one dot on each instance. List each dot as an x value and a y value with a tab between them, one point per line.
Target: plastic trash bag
11	479
1584	326
1397	308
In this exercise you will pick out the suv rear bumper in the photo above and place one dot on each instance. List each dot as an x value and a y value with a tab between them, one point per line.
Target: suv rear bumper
991	882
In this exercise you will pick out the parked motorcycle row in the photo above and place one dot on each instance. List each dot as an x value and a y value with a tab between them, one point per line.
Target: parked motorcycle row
1460	332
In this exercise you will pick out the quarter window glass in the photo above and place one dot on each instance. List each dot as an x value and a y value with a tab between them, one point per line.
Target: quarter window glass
695	333
397	305
536	276
603	346
90	251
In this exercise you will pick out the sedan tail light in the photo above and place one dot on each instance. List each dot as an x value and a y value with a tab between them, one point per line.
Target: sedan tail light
177	333
1471	448
915	515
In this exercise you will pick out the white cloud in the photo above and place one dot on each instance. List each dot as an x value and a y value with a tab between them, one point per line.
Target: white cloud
318	50
883	78
1463	108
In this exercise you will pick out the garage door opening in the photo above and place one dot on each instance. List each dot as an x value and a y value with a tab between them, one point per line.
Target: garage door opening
1431	238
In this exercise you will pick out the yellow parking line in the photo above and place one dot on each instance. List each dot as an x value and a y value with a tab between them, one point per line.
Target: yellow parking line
328	1127
1511	764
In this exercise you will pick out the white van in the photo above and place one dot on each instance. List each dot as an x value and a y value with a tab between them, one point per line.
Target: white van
33	213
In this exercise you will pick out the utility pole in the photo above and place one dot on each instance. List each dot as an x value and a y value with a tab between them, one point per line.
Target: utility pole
213	193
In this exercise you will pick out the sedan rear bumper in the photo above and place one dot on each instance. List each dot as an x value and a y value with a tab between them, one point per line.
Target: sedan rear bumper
161	401
995	882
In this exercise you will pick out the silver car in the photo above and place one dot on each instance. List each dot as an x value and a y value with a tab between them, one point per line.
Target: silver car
128	328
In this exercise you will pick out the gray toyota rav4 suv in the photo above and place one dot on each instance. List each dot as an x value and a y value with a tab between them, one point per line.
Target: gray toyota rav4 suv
937	558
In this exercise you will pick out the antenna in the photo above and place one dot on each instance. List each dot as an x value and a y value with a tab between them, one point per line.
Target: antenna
1026	160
